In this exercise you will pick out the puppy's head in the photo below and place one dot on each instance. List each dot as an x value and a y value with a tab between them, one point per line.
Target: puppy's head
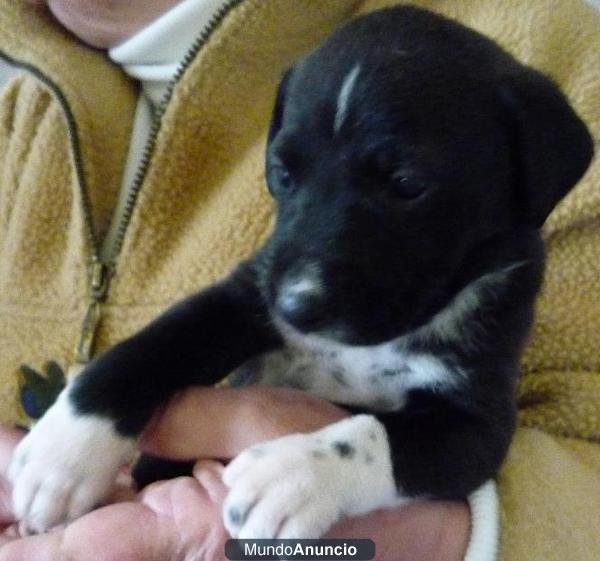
396	150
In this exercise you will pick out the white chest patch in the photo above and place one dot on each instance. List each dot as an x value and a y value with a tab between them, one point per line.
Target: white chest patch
377	376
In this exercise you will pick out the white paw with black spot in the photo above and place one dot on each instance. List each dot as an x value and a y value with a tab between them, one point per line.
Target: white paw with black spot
298	486
65	466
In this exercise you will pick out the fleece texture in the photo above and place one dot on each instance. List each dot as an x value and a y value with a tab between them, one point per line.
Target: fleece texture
202	207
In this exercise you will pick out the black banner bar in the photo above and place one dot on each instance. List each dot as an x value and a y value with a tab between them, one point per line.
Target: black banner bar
300	550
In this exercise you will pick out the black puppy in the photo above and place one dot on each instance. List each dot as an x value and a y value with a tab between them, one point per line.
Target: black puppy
413	162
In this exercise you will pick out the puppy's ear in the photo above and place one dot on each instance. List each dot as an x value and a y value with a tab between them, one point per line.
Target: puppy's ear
277	116
552	147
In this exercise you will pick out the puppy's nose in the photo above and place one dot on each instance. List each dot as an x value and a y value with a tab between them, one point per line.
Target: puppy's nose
299	303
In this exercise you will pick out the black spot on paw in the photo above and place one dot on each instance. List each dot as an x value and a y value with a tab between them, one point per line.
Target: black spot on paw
372	436
389	372
235	515
297	383
301	369
369	459
340	378
344	449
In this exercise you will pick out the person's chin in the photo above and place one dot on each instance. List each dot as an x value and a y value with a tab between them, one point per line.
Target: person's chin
93	21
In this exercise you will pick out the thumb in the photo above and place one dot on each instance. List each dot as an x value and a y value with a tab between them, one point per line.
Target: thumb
194	424
221	422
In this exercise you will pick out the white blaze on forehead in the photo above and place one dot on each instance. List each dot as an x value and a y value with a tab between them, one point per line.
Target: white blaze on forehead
344	97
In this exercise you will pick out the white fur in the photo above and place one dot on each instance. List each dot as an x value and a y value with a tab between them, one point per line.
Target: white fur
301	285
307	282
65	466
355	375
378	376
343	100
451	323
298	486
485	526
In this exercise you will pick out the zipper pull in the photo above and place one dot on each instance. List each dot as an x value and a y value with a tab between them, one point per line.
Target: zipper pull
100	274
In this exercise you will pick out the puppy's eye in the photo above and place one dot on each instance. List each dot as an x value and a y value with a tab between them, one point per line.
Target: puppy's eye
281	177
407	187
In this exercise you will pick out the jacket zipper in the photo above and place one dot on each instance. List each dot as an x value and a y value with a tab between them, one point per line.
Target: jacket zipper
101	269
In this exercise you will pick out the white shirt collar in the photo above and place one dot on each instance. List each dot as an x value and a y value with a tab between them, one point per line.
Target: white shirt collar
154	54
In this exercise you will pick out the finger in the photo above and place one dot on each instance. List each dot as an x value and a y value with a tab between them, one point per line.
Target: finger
123	490
178	503
209	471
207	422
45	547
9	533
210	475
194	424
6	512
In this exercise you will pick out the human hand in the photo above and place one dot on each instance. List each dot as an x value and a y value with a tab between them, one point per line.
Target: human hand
228	420
172	518
169	521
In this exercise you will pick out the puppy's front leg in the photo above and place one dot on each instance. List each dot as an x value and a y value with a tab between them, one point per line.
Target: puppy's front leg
298	486
68	462
445	446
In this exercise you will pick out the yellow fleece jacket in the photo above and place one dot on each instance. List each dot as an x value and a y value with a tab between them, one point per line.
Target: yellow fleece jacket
201	207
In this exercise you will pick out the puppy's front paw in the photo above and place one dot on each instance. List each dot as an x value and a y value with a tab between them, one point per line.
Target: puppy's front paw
281	489
65	466
298	486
